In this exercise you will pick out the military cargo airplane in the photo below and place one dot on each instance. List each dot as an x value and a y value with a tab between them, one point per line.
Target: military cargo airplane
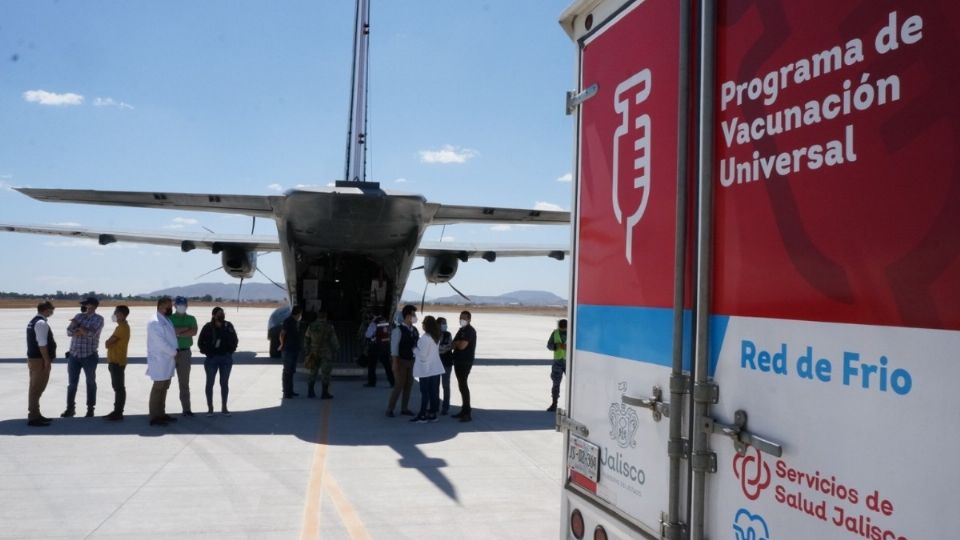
346	249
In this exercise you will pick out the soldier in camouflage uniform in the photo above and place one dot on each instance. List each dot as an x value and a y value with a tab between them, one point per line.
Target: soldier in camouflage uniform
320	345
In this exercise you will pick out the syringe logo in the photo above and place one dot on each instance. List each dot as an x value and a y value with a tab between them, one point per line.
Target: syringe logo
635	89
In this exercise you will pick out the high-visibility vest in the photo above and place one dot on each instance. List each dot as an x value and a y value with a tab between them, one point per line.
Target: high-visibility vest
559	346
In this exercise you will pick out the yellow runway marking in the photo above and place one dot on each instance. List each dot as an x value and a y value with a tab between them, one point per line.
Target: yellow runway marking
311	511
351	521
322	482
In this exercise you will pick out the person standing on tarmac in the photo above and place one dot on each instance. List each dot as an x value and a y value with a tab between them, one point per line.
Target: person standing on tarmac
186	327
218	341
446	358
378	350
116	346
428	368
41	350
402	342
320	346
84	331
161	360
464	348
291	342
557	342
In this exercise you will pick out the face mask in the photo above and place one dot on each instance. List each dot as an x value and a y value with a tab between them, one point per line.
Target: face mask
443	327
413	320
83	309
181	309
464	322
220	317
114	318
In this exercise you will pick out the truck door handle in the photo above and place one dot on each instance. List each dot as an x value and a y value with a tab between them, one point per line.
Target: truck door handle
741	437
657	407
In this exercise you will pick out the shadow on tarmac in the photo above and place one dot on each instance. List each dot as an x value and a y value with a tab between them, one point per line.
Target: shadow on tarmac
356	419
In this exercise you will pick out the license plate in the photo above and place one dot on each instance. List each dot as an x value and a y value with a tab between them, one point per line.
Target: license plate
584	458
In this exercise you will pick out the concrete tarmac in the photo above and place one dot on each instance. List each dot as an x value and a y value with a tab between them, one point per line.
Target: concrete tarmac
298	468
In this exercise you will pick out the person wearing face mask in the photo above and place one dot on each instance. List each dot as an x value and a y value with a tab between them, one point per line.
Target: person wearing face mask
161	360
41	350
557	342
186	327
464	347
84	331
117	361
291	341
446	358
428	368
402	342
218	341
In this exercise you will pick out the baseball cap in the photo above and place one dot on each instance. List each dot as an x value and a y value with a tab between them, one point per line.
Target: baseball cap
90	300
180	300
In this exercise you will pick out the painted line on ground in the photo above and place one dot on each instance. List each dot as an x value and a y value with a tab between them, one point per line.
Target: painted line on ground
311	511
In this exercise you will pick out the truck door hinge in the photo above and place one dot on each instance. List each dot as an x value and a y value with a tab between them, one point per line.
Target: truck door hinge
741	437
574	99
657	407
565	423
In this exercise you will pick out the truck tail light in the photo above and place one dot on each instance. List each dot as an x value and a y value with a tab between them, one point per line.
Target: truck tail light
577	527
599	533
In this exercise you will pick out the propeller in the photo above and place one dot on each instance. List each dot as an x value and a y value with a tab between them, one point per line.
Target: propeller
424	297
270	280
239	290
209	272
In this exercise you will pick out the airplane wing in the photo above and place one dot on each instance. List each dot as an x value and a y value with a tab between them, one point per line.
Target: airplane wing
489	252
249	205
184	241
447	214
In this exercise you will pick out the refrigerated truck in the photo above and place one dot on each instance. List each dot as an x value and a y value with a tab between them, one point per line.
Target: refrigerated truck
765	326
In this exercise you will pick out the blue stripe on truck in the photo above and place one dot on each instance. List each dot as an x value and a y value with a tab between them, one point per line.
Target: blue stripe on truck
642	334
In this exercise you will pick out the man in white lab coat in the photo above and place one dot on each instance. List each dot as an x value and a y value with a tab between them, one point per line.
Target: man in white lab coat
161	360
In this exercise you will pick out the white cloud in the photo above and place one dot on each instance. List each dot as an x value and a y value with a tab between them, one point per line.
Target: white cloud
275	187
566	178
67	224
501	227
110	102
448	154
180	223
43	97
400	181
541	205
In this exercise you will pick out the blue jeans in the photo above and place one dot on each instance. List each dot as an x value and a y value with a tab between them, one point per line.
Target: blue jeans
445	384
429	395
89	366
289	367
222	363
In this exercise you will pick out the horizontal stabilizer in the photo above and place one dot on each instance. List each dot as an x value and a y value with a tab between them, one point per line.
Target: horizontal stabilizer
489	251
248	205
447	214
184	241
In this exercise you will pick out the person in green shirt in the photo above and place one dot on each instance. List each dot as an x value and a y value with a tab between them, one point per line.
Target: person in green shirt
186	327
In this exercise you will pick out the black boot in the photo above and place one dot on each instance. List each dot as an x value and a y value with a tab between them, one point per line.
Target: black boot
326	394
310	392
553	406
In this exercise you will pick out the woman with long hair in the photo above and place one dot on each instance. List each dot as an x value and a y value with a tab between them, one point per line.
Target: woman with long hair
428	368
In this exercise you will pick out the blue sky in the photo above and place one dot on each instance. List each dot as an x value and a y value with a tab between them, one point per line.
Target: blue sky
466	107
